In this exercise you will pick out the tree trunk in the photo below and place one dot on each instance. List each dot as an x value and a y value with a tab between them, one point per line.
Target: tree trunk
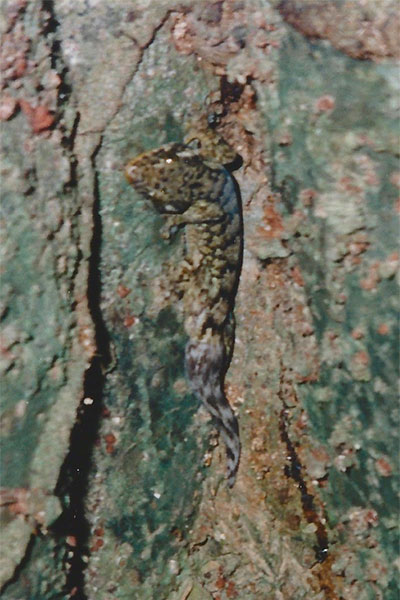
112	476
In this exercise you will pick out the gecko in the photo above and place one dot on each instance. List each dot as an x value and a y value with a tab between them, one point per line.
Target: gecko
190	184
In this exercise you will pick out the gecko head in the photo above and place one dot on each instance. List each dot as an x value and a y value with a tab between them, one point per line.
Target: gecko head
168	176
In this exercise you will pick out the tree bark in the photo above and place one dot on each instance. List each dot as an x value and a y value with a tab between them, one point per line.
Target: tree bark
112	477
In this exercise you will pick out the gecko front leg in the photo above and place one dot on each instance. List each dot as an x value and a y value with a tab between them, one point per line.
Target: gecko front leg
200	213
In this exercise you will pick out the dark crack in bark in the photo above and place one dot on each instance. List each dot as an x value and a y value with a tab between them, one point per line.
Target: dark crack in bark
74	476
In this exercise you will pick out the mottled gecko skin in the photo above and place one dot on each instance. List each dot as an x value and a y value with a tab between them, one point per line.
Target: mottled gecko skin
200	195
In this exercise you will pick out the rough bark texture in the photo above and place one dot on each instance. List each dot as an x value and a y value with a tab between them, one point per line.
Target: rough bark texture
111	486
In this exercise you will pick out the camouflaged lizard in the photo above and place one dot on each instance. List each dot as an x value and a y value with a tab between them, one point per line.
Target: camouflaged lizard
190	186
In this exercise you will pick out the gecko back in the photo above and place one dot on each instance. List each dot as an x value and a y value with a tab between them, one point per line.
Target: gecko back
200	195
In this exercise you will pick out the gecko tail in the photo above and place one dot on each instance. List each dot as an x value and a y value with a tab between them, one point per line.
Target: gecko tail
205	366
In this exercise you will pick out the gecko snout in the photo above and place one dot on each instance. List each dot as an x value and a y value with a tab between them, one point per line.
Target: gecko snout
131	173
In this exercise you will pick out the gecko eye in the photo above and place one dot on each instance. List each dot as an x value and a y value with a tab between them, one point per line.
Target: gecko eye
213	120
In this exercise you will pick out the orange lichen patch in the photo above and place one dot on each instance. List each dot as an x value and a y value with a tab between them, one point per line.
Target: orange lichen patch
357	334
301	424
297	276
220	583
123	291
310	378
383	467
12	10
348	185
177	534
371	281
358	244
361	358
372	179
6	354
14	47
231	590
20	67
325	103
181	35
275	44
383	329
8	106
42	119
305	327
110	440
332	335
39	117
16	500
362	519
368	170
317	461
356	248
71	541
275	277
97	544
130	320
273	227
56	372
395	179
86	338
390	265
105	412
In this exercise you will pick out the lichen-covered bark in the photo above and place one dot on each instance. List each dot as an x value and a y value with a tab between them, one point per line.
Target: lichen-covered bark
47	331
111	484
